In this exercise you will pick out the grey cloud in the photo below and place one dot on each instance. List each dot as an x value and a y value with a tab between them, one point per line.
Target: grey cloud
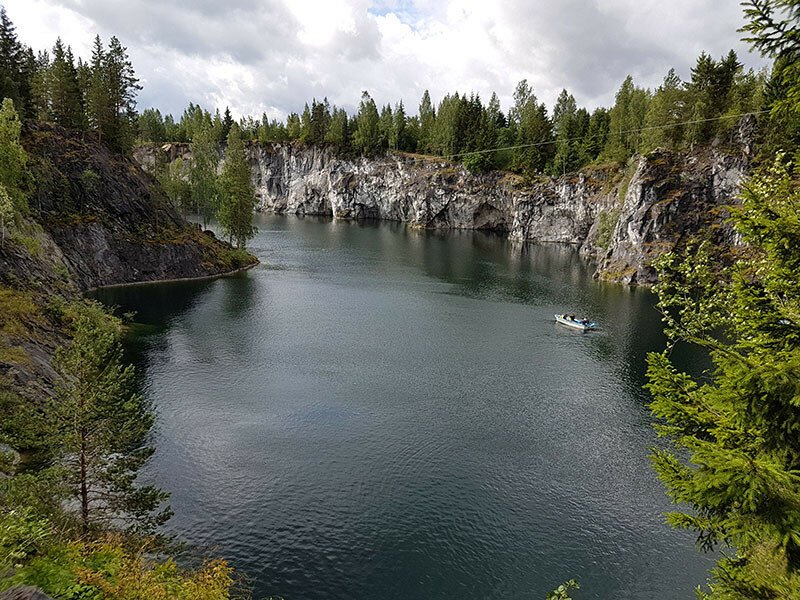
587	46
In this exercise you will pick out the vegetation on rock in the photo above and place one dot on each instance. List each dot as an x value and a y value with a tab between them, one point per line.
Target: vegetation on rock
736	453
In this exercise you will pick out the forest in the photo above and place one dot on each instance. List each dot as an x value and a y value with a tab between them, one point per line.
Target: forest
733	457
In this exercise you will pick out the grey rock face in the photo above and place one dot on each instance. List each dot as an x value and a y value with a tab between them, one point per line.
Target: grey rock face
24	593
622	217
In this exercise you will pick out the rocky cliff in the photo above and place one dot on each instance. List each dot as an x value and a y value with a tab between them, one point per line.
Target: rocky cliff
95	219
621	216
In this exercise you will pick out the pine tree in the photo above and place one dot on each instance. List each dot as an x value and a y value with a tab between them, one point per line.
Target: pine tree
150	125
238	199
123	87
98	97
111	95
103	426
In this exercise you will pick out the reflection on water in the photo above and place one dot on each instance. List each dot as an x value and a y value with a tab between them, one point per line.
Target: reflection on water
378	412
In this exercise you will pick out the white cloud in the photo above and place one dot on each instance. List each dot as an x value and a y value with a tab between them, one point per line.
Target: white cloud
274	55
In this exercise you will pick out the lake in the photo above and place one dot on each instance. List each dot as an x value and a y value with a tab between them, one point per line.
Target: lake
381	413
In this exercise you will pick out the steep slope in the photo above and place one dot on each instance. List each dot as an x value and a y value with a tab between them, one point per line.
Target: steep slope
95	219
620	216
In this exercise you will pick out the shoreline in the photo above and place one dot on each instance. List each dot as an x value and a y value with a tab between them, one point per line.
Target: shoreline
174	280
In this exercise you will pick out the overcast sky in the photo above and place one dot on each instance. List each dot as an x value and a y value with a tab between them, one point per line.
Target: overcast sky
273	55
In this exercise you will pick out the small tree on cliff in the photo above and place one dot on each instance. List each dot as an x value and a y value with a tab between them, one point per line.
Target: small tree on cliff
237	195
102	426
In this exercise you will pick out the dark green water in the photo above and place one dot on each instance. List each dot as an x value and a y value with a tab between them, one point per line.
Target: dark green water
377	413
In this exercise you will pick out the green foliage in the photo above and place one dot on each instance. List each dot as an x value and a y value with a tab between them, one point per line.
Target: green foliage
738	427
627	119
111	95
14	176
238	199
367	136
605	228
103	425
16	66
89	180
570	125
21	535
63	98
6	213
205	195
33	552
30	242
174	178
562	592
532	129
774	29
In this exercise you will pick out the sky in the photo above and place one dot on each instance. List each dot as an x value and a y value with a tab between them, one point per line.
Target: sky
272	56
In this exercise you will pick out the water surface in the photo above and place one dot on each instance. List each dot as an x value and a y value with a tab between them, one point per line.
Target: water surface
379	413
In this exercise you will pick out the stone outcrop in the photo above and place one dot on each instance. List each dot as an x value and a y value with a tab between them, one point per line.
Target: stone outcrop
106	222
620	216
95	219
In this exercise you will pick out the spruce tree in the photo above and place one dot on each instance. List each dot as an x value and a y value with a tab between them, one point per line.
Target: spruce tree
569	127
66	101
227	123
427	118
397	139
338	133
735	430
11	57
237	196
596	134
386	126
